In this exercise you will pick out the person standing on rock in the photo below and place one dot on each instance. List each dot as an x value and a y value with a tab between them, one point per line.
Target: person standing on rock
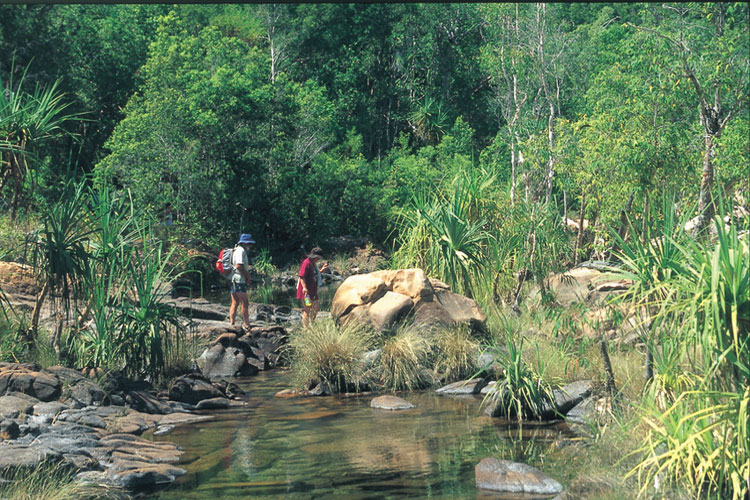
307	285
240	279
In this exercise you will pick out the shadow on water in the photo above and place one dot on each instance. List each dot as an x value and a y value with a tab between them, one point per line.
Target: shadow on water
338	447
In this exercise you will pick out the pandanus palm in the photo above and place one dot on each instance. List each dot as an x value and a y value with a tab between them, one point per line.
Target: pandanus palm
27	119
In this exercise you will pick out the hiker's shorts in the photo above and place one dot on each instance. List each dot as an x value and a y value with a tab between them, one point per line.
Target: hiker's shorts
237	287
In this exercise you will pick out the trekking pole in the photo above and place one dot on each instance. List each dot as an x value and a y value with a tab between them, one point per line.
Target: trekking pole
241	217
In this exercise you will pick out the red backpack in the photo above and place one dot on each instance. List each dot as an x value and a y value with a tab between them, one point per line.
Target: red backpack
224	262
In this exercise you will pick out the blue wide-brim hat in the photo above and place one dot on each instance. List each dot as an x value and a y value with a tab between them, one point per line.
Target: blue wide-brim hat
246	238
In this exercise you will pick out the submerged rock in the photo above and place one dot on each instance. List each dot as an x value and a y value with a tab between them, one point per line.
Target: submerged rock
214	404
389	402
513	477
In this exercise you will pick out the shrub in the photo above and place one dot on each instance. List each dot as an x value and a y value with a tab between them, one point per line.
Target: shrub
323	352
520	392
703	294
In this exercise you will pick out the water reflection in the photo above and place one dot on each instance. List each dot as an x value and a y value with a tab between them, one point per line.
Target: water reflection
341	448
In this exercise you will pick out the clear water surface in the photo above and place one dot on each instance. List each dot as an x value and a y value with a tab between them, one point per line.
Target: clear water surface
338	447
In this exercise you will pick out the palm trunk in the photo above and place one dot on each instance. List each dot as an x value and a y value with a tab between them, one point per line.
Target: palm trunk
37	309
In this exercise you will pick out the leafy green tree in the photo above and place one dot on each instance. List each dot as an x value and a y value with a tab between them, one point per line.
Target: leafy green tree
209	130
709	45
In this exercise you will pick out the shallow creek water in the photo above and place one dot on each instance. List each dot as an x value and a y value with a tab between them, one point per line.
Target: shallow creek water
339	447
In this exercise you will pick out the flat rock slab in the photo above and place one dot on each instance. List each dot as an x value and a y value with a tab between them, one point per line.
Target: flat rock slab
50	408
388	402
26	457
513	477
584	412
473	386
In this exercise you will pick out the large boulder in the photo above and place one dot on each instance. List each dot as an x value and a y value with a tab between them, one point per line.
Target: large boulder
389	309
385	297
231	356
220	361
11	406
27	379
355	291
410	282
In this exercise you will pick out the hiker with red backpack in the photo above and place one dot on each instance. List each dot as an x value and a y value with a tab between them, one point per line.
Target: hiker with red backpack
235	265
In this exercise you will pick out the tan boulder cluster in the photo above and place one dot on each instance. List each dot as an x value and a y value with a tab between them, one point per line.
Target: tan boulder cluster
385	298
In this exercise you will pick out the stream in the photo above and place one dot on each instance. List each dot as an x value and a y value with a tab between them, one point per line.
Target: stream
339	447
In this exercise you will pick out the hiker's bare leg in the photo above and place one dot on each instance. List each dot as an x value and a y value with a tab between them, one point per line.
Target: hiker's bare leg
242	297
233	308
306	312
314	308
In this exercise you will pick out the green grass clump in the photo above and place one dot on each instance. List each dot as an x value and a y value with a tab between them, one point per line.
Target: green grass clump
323	352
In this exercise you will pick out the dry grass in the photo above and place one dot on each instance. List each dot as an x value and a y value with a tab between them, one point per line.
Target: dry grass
323	351
456	352
402	359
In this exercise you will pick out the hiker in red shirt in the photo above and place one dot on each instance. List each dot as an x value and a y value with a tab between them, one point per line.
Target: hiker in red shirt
307	286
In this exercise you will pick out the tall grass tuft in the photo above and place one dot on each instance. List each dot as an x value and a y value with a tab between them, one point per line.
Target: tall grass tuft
455	353
323	352
402	359
53	482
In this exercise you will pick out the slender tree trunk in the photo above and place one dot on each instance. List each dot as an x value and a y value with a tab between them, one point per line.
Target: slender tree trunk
513	163
551	144
579	241
705	200
610	387
648	369
646	209
623	229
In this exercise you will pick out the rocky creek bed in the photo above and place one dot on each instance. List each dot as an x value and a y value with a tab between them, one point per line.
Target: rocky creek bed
119	434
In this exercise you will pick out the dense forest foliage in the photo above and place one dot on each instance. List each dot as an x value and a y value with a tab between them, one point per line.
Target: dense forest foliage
325	119
491	145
